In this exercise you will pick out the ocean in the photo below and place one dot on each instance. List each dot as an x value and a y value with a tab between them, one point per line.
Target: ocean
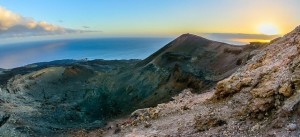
20	54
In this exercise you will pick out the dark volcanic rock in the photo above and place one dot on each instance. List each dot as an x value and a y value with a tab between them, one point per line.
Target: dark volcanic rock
3	118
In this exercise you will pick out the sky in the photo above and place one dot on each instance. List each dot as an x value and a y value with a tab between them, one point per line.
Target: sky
240	20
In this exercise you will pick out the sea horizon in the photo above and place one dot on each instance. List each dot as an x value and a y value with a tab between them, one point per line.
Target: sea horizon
15	55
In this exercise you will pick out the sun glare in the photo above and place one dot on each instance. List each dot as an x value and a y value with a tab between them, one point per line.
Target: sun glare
267	29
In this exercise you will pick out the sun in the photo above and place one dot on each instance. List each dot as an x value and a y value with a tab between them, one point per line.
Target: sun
268	29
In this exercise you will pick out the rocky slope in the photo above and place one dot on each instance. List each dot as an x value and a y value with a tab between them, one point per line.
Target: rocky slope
259	99
60	97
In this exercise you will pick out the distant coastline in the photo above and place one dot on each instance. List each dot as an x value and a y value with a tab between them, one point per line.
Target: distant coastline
17	55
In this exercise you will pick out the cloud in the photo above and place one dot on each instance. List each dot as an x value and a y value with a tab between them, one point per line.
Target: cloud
239	38
8	19
14	25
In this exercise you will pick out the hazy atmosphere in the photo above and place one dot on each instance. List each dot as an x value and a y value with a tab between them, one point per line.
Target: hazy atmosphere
168	18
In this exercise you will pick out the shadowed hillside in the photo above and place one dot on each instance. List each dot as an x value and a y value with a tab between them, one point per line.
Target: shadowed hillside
54	97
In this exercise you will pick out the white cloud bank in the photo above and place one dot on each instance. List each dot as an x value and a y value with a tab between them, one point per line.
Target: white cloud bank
14	25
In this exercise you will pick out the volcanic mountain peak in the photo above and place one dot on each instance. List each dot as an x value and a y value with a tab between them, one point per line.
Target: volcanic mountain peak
189	48
260	98
181	42
191	36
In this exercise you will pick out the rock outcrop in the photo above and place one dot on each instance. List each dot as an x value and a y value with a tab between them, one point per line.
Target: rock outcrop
271	77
